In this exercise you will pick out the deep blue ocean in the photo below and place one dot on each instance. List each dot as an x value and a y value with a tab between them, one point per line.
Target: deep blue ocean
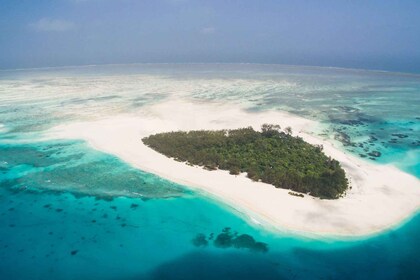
71	212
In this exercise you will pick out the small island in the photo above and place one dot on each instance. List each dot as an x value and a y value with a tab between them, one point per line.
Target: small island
270	155
301	165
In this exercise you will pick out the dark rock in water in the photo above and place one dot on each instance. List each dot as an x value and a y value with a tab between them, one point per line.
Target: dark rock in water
362	155
134	206
243	241
400	135
228	239
240	241
74	252
372	158
226	230
93	221
59	210
47	206
343	138
223	240
260	247
375	154
352	122
200	240
113	207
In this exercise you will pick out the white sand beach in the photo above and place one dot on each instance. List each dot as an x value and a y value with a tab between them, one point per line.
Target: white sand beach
381	196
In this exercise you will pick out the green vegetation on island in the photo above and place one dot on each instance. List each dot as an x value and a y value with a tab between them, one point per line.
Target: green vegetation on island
271	156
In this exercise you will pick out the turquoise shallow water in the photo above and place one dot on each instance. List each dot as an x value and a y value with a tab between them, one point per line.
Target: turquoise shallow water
56	234
70	212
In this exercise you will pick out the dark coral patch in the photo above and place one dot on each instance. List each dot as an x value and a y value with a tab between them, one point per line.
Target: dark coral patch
74	252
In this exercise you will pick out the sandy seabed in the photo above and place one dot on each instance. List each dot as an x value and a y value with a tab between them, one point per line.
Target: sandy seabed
381	196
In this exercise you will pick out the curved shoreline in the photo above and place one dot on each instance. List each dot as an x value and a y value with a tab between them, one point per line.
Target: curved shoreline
381	196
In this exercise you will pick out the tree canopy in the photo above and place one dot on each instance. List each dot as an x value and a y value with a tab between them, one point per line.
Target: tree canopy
271	156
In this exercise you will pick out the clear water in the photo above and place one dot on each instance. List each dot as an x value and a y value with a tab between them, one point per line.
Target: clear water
70	212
